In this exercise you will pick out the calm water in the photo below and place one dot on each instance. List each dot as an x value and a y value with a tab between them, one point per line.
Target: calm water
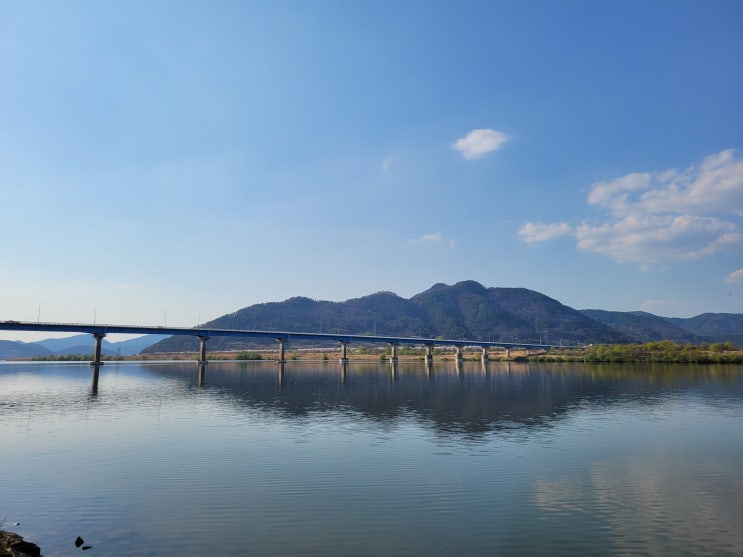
521	460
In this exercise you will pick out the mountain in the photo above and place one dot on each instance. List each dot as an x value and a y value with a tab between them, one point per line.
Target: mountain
713	327
136	345
470	310
76	344
642	326
464	310
84	344
13	349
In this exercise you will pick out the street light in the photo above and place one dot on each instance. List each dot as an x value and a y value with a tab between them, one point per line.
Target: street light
95	315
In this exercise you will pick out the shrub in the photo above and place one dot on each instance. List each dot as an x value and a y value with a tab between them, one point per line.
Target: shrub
248	355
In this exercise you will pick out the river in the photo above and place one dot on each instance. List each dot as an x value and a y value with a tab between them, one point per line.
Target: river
515	459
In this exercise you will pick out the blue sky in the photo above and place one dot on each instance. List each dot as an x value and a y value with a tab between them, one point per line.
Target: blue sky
171	162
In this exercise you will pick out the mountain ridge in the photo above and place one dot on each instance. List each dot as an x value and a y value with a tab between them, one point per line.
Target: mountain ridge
466	309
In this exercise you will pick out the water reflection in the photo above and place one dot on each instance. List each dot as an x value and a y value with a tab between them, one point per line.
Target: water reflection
469	398
322	459
95	368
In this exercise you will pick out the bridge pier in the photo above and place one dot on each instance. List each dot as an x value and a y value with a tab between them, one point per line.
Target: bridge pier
393	355
459	354
429	354
282	342
202	349
344	352
97	350
485	356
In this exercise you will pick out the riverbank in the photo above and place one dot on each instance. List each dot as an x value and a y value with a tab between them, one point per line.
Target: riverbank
664	351
13	545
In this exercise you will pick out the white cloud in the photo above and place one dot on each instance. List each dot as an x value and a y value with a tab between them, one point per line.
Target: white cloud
735	276
535	232
436	239
661	217
715	187
614	195
480	142
658	239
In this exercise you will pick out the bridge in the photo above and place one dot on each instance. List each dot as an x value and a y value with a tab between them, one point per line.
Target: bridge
99	331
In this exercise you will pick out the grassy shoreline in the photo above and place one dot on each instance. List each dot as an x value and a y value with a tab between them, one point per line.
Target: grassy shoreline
649	352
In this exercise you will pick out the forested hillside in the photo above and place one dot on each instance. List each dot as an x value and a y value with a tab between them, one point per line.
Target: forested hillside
465	310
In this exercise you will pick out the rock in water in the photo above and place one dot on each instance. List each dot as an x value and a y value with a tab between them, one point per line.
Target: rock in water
79	541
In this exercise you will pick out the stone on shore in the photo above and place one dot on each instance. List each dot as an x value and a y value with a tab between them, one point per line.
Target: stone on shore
13	545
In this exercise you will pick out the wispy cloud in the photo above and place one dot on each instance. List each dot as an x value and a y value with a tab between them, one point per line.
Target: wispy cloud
659	305
436	239
735	276
661	217
480	142
535	232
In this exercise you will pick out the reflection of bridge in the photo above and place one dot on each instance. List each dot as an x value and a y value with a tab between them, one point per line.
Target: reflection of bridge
282	337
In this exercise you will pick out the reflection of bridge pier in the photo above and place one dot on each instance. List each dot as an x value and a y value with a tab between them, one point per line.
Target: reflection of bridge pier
202	373
94	385
281	375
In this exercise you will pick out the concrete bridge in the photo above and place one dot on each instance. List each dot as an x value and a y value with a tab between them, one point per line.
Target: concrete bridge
99	331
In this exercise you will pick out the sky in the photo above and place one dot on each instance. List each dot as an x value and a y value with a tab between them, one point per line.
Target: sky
166	163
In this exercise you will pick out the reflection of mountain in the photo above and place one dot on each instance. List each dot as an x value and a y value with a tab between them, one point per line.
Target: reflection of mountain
508	397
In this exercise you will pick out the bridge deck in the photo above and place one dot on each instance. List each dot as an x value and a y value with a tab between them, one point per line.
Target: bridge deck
206	332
